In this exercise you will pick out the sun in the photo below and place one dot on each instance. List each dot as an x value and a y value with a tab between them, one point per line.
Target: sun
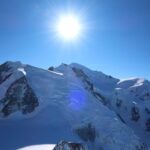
68	27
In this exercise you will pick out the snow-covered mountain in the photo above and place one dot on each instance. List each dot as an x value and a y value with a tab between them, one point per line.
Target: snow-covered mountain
73	103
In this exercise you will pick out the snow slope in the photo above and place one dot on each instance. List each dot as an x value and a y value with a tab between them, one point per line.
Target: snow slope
129	98
133	94
64	104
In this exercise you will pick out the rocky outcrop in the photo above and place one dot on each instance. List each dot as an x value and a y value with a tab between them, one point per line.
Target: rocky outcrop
148	124
51	68
19	97
63	145
142	146
118	102
87	133
135	115
147	110
4	74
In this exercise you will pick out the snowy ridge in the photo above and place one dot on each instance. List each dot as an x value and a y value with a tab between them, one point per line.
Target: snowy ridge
105	83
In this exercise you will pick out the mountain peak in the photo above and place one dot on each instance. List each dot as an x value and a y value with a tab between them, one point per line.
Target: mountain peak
15	63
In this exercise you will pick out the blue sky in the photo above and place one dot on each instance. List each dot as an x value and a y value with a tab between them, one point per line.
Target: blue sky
115	39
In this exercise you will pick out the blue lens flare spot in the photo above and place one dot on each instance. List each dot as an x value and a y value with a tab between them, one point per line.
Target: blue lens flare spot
77	99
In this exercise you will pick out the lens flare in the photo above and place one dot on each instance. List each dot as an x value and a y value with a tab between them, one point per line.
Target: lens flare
68	27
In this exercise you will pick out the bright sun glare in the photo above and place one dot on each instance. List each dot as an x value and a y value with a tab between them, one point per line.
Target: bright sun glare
68	27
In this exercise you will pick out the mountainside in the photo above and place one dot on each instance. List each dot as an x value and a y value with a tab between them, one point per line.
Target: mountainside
73	103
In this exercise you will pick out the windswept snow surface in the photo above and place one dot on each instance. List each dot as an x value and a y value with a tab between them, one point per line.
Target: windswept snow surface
65	108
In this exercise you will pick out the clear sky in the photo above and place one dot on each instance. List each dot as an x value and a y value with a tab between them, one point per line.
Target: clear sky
115	39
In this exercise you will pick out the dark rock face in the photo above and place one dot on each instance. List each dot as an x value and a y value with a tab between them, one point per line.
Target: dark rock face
135	115
3	72
100	97
148	124
63	145
142	146
51	68
147	110
145	96
87	133
118	102
19	97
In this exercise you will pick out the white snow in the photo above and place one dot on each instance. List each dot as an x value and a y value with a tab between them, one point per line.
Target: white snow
131	82
57	73
134	102
39	147
22	70
127	79
139	82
